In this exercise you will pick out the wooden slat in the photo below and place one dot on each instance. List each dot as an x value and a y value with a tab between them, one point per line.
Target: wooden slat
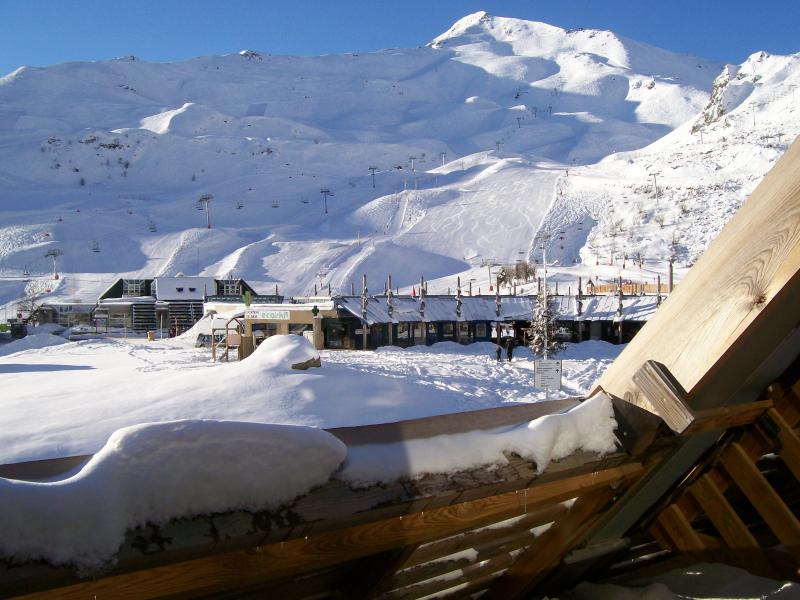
790	443
243	568
745	550
725	520
725	417
550	547
763	497
675	524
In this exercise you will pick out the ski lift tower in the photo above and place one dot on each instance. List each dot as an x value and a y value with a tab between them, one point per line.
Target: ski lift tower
325	193
54	254
373	169
204	201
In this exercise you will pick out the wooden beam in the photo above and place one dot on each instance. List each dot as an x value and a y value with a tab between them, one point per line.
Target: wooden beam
666	396
548	550
789	443
669	401
265	563
763	497
675	524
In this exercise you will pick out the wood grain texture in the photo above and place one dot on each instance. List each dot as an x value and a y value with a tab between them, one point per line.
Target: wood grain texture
790	443
265	563
710	332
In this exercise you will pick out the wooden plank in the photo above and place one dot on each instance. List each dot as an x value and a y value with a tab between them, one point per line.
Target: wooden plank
790	443
247	568
740	299
725	520
763	497
550	547
675	524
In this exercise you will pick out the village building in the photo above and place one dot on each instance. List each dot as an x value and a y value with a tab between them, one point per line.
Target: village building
68	313
368	322
168	304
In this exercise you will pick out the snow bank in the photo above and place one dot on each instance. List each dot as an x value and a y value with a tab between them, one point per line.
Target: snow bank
158	471
52	328
589	427
30	342
279	351
702	580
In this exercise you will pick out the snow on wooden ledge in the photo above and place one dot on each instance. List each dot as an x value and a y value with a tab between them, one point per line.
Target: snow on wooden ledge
155	472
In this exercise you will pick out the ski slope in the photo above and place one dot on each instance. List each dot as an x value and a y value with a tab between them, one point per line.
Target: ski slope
497	130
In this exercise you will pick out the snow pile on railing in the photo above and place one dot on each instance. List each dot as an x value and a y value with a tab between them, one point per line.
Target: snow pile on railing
159	471
589	426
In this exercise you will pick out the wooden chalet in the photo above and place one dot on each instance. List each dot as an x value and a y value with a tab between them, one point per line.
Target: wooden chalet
707	400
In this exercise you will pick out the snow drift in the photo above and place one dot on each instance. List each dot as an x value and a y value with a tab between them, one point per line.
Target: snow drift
589	426
159	471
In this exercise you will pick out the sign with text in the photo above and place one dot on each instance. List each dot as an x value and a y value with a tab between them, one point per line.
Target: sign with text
260	314
547	374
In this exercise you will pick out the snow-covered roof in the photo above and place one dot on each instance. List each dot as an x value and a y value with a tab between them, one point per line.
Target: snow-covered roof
512	308
183	288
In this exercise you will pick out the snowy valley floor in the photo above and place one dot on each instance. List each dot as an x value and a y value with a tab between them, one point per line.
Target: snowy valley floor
67	398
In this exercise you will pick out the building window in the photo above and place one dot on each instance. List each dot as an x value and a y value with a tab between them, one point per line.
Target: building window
432	329
231	288
133	287
179	289
463	331
418	329
480	330
402	331
192	289
447	330
298	328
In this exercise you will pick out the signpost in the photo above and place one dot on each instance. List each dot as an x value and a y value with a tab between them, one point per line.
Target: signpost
547	375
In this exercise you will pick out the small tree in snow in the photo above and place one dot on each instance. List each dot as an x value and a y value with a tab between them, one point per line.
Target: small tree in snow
543	326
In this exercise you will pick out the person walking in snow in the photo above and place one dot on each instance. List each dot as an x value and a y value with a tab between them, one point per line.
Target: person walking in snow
499	351
510	349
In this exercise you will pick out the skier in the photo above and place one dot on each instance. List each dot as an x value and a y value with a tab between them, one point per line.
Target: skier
510	349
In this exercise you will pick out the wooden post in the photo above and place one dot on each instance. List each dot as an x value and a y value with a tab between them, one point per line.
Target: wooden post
671	261
658	285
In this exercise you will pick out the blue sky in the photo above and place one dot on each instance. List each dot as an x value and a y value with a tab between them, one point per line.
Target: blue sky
43	32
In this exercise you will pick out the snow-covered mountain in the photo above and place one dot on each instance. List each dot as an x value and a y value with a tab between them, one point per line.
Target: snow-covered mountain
514	127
